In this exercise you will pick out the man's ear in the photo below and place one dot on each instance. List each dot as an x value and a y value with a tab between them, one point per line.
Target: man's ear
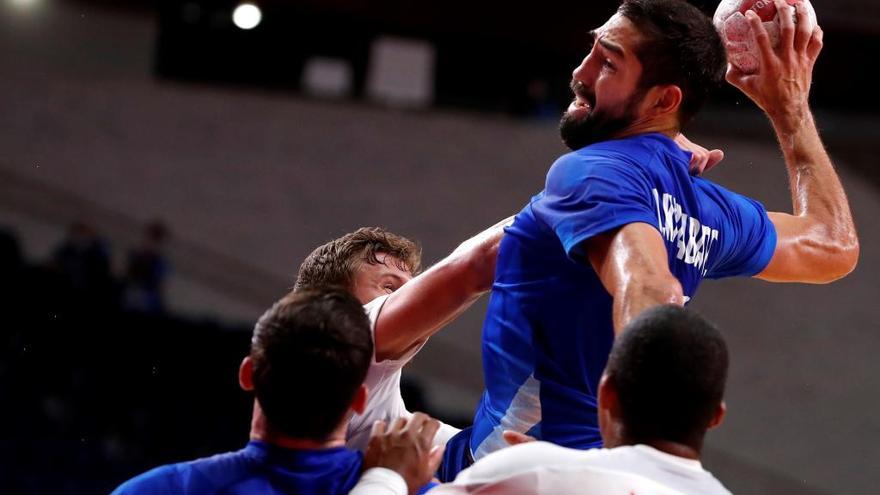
246	374
664	99
359	403
608	402
718	418
609	413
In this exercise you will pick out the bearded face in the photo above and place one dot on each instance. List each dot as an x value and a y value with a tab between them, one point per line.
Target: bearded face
582	124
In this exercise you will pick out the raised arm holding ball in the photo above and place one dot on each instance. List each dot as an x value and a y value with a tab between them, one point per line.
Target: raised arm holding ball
818	242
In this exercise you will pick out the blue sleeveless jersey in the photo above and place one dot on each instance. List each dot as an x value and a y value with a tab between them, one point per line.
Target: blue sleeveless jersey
548	329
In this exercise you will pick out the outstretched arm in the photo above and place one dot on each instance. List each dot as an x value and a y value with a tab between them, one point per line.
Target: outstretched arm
817	242
431	300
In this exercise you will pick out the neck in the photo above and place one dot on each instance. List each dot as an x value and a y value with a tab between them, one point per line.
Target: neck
676	449
664	126
261	430
679	449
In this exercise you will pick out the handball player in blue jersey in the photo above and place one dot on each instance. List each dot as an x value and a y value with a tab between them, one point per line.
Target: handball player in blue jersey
622	226
309	355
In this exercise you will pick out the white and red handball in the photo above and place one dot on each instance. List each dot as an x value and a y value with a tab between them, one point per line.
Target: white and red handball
735	31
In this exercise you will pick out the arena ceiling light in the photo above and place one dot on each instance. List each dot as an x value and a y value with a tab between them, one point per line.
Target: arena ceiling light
247	16
24	4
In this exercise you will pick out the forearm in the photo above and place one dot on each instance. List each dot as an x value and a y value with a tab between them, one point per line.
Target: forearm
632	265
637	296
816	191
826	231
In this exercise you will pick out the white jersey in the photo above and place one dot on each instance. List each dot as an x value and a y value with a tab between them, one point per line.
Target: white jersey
384	401
539	468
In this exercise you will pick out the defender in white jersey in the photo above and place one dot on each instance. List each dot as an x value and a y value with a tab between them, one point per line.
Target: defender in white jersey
384	402
377	267
661	391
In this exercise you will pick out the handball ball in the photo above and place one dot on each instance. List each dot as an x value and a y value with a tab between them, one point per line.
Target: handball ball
733	26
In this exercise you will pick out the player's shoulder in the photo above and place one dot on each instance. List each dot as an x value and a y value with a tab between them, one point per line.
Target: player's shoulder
715	191
521	458
576	172
725	202
202	475
632	155
163	479
591	158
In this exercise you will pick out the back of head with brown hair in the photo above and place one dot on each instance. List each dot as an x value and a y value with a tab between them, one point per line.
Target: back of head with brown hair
310	354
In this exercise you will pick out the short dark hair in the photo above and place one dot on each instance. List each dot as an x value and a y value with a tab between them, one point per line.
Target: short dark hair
680	47
669	367
335	263
310	354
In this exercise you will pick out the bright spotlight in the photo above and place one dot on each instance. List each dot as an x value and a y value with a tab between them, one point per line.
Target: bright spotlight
247	16
24	4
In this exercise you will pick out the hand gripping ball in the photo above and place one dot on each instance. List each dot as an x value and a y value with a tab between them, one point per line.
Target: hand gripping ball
733	26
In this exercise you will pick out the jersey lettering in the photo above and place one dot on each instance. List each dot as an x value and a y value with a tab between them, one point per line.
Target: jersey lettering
692	240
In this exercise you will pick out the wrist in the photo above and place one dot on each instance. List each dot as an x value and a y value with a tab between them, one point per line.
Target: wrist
790	119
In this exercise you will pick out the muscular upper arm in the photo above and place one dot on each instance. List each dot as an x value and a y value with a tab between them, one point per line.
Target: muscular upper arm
632	263
421	307
428	302
803	252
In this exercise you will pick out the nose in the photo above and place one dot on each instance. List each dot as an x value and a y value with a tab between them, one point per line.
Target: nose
582	72
579	70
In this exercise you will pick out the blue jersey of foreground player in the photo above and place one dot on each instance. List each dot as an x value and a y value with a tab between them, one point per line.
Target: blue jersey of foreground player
548	328
258	468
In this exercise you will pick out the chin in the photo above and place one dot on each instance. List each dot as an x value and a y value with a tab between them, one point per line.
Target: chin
580	129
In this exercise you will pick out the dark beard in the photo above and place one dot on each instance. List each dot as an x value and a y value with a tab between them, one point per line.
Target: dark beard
597	126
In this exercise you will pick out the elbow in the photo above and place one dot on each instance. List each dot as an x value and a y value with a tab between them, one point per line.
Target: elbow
850	255
656	290
669	291
826	261
482	269
643	293
478	265
477	257
843	257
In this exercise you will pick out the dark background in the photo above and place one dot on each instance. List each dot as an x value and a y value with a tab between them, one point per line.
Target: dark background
487	52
